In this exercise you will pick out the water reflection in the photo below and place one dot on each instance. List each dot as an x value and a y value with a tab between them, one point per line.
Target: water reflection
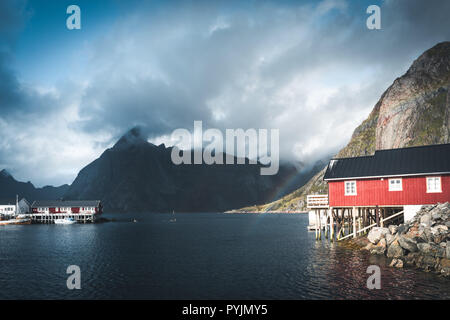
201	256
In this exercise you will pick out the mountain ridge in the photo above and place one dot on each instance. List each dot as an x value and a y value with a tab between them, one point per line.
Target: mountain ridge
413	111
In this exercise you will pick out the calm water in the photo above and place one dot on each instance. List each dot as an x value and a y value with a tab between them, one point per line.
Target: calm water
200	256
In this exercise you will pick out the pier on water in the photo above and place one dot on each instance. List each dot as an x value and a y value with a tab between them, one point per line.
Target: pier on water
50	218
348	222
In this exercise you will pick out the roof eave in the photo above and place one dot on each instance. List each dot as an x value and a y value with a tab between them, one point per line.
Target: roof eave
387	176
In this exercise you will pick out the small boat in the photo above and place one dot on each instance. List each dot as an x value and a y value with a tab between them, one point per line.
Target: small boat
65	221
173	215
15	221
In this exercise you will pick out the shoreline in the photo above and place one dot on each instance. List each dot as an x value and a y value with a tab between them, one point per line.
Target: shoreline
263	212
422	243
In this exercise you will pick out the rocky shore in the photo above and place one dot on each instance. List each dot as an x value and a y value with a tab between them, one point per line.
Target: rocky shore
423	242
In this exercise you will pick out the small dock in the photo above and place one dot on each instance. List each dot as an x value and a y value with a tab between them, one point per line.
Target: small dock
50	218
346	222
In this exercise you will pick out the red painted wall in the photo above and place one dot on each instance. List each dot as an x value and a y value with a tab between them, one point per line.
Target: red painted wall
372	192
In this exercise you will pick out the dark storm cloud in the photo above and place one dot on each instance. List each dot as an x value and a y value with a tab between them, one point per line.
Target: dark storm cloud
228	69
311	69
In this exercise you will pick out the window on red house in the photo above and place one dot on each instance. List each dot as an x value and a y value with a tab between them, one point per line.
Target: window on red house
350	188
395	184
434	184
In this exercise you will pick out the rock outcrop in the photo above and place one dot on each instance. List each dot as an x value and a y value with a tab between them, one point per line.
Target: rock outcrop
424	241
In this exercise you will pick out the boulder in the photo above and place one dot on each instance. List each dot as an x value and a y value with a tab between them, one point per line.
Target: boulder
439	252
436	215
397	263
447	250
411	258
407	243
424	247
389	239
403	228
393	229
445	267
380	248
376	234
427	234
426	220
395	250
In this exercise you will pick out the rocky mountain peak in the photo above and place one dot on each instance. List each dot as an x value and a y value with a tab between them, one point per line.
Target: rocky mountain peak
5	174
434	62
414	110
135	136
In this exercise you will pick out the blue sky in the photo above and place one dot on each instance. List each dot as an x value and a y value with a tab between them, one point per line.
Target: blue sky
309	68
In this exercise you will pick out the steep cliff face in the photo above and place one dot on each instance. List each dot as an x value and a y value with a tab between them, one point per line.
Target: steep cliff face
413	111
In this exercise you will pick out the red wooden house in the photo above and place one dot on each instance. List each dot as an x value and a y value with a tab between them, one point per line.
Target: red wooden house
67	207
406	178
46	211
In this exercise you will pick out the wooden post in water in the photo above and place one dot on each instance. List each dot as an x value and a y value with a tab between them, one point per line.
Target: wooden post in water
320	226
377	215
316	224
331	224
354	221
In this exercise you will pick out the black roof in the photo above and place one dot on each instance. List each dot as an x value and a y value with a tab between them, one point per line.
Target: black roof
66	203
392	162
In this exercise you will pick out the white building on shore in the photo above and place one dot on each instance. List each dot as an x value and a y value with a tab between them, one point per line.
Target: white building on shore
13	207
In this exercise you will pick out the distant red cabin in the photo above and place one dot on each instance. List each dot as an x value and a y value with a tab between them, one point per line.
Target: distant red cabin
405	177
67	207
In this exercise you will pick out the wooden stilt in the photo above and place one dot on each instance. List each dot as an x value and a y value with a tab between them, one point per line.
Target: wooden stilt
316	224
320	226
377	216
354	221
331	224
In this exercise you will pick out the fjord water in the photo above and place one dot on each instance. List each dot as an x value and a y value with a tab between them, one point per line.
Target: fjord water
200	256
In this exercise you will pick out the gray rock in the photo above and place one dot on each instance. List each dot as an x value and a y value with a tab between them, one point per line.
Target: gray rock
427	234
393	229
440	252
395	250
436	216
402	229
434	231
407	244
447	250
424	247
380	248
426	220
376	234
389	239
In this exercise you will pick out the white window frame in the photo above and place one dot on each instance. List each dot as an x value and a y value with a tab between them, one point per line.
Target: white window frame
400	185
434	190
345	188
